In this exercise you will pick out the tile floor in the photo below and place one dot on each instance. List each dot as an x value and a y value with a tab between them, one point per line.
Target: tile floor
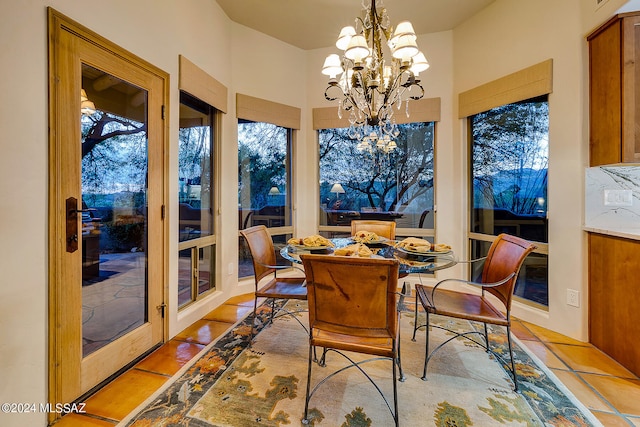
610	391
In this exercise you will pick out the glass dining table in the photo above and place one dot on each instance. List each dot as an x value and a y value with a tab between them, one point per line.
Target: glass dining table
409	262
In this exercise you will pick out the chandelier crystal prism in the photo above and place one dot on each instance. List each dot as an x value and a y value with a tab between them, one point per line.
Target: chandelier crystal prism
368	86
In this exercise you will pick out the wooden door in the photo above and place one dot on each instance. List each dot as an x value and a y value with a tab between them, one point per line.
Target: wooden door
107	191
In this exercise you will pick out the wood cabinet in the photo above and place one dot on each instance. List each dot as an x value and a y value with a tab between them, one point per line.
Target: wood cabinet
614	91
614	298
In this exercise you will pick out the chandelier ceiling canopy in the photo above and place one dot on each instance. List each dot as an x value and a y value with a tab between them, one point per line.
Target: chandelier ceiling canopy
366	85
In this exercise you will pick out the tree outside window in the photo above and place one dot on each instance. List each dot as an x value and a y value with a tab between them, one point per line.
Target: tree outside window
396	185
264	183
510	154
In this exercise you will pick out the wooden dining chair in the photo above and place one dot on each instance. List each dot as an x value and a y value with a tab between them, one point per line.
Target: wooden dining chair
353	307
264	265
381	228
501	266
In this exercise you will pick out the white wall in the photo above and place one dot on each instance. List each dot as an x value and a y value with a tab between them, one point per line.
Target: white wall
157	31
504	38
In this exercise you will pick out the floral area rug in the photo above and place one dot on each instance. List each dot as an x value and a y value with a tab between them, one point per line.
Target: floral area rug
233	385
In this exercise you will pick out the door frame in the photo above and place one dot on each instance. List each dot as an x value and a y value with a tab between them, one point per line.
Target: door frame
61	374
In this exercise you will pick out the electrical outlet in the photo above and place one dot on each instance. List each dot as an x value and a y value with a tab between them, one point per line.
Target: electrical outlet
618	198
230	269
573	297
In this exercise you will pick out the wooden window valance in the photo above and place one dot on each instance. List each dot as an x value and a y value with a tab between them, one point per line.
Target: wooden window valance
261	110
528	83
195	81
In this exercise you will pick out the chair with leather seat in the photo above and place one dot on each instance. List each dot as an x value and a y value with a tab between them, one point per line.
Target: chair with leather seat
499	274
264	265
381	228
353	307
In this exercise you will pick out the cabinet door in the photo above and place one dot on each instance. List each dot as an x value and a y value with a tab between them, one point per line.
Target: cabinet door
630	86
614	297
605	101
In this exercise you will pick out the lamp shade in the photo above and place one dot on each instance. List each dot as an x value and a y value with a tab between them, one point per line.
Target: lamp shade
405	48
345	37
332	66
420	63
357	49
404	28
274	191
337	188
87	107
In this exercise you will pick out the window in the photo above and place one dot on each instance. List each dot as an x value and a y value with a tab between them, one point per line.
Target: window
264	183
196	264
510	152
370	184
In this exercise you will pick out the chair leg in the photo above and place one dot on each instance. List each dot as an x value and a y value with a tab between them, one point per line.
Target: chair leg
323	359
395	391
486	337
415	319
305	420
253	320
398	359
513	363
426	348
273	309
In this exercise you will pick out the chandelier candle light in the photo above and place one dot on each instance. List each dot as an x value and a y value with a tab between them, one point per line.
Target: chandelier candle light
370	87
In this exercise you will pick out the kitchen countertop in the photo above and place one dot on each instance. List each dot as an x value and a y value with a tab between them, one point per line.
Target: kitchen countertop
627	232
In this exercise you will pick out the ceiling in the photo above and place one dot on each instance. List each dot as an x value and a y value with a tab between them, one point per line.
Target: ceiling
312	24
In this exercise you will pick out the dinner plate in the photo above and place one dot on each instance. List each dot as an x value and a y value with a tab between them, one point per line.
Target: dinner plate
428	253
381	241
311	248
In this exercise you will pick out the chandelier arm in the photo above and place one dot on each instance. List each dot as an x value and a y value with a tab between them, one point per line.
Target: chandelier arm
392	93
361	91
354	104
421	95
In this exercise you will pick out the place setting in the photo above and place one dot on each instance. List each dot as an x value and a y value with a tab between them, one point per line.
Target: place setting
313	244
414	254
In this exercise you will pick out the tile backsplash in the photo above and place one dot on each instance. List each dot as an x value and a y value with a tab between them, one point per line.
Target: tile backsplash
612	196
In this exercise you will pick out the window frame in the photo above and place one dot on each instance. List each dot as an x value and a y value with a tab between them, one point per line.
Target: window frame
527	83
542	248
400	231
200	243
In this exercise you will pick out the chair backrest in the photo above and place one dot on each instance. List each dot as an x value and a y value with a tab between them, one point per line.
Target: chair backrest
350	295
423	216
381	228
506	255
262	250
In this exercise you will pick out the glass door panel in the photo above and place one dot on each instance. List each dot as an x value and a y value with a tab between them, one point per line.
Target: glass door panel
114	198
206	268
185	277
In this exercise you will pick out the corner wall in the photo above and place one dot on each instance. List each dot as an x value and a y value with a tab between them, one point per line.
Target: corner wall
508	36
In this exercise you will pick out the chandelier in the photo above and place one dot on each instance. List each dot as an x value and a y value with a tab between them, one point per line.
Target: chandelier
370	87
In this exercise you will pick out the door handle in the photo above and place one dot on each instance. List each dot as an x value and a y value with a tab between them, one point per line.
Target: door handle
71	208
75	211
